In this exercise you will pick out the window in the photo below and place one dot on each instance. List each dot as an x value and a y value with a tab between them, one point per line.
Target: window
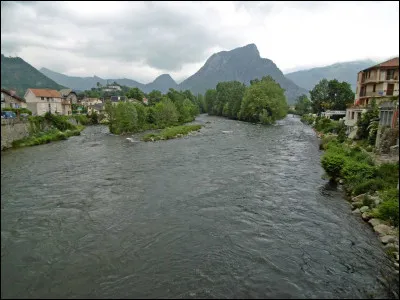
374	88
390	74
42	98
352	115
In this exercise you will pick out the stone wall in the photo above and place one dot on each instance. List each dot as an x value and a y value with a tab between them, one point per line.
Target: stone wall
12	130
385	139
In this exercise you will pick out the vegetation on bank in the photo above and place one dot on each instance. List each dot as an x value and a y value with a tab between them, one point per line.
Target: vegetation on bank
172	109
262	102
360	175
171	133
48	128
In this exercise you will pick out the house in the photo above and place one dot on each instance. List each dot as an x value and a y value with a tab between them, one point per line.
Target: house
111	88
90	101
9	98
70	95
40	101
379	82
97	108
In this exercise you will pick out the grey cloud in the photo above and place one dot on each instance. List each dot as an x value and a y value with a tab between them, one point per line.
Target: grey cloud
160	36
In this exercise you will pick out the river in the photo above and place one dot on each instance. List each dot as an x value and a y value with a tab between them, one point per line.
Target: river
239	210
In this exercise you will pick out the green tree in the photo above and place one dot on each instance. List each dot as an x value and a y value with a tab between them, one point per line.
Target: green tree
229	98
303	105
319	96
165	113
264	102
331	94
135	93
210	98
154	97
365	123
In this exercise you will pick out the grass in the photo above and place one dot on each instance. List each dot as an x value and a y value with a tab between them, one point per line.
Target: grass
47	137
171	133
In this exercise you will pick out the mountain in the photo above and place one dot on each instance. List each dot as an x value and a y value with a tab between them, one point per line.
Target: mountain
346	71
161	83
242	64
19	75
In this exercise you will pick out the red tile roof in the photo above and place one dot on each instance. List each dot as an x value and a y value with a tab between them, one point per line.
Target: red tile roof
394	63
46	93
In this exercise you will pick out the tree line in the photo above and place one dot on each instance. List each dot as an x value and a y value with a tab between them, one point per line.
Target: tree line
164	110
263	101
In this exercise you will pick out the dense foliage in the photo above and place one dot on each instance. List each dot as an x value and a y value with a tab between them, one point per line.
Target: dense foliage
171	133
368	124
302	105
261	102
333	95
171	109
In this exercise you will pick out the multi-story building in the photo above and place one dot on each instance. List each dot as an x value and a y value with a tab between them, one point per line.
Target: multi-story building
379	82
40	101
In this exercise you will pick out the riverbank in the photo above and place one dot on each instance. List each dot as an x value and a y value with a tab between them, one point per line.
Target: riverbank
171	133
370	184
38	130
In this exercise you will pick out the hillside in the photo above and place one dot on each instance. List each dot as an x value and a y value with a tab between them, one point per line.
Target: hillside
346	71
161	83
242	64
19	75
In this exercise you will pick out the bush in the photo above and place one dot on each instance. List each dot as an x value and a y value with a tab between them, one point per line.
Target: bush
170	133
21	110
370	185
389	210
308	119
60	122
82	119
389	172
333	164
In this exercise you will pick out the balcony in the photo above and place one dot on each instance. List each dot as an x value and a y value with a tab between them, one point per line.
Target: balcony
368	80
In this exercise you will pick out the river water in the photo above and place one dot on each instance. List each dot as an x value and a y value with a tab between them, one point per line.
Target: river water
239	210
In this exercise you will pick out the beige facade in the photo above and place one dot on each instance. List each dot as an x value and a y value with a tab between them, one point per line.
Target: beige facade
40	101
379	82
10	99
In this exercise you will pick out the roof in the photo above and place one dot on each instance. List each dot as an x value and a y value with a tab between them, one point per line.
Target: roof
391	63
66	92
12	94
46	93
98	106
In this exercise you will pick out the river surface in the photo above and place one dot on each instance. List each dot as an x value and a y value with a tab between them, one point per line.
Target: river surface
238	211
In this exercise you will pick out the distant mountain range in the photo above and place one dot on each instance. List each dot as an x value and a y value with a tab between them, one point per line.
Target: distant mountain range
346	71
18	75
161	83
242	64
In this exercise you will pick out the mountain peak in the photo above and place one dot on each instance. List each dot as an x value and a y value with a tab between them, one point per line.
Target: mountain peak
164	78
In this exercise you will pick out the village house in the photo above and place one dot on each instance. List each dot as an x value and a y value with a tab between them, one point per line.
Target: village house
9	98
379	82
41	101
115	99
96	108
70	95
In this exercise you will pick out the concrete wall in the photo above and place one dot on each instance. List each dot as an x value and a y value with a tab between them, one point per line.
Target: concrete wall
12	130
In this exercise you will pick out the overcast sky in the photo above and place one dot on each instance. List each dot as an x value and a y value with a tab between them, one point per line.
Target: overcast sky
141	40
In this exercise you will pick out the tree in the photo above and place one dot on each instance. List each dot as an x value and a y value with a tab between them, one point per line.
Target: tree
319	96
229	98
165	113
263	102
303	105
210	99
135	93
366	126
331	94
154	97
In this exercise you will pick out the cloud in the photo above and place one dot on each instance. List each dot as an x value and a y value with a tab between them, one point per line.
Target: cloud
141	40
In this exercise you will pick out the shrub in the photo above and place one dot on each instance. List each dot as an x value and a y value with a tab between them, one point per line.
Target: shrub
389	210
332	164
389	172
82	119
60	122
370	185
354	171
